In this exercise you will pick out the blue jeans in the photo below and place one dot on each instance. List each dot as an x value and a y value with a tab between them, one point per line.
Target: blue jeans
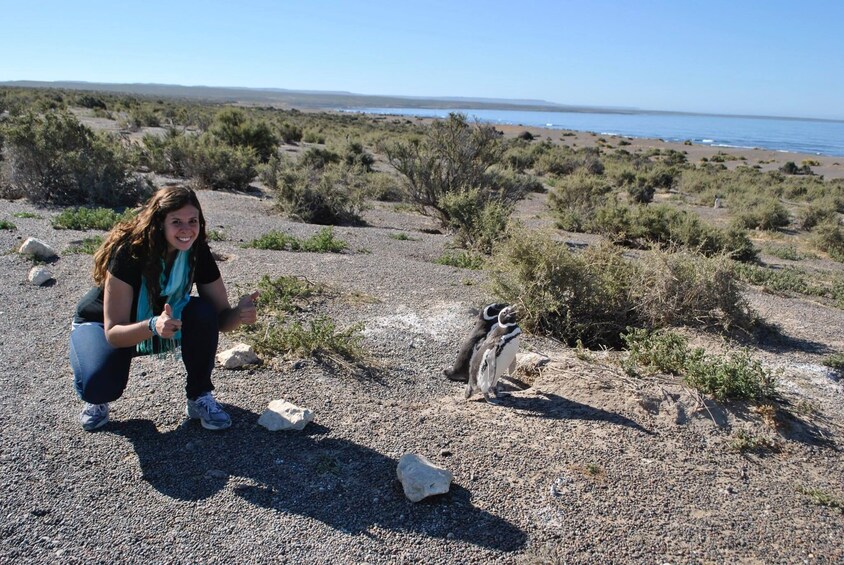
101	371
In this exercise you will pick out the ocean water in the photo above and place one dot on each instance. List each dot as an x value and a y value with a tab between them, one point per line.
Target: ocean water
818	137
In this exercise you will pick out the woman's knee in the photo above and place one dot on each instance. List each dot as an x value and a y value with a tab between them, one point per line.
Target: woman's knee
100	371
199	312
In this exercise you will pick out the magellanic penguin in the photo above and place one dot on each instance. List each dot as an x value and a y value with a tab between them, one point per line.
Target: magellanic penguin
495	356
487	318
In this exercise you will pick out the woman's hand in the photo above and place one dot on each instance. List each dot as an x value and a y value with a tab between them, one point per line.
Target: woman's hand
246	312
166	325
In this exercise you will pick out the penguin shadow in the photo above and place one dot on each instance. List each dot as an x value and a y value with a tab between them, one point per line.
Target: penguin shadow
345	485
556	407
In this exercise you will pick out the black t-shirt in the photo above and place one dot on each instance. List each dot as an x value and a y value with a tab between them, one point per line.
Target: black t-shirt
129	270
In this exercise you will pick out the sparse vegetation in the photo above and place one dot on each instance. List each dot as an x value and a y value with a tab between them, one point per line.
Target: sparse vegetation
87	246
322	242
89	219
7	225
746	442
462	260
820	497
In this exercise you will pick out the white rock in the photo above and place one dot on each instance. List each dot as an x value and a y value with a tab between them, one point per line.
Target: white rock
421	478
39	275
37	248
282	415
238	356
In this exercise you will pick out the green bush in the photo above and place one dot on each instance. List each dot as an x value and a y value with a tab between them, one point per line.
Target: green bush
453	157
322	242
668	227
462	260
311	136
478	223
55	159
577	197
328	196
768	214
320	339
236	129
640	191
285	294
736	377
318	158
7	225
834	361
89	219
216	165
355	155
815	214
384	187
829	238
290	133
661	351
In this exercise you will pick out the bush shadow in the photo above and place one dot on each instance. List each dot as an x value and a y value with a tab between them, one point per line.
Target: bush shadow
771	338
347	486
557	407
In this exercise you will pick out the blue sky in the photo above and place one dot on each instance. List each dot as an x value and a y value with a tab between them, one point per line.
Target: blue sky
715	56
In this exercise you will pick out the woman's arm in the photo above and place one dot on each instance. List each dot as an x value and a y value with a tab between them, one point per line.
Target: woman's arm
117	307
229	318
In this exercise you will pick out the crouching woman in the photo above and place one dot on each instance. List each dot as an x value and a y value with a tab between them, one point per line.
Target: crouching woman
144	273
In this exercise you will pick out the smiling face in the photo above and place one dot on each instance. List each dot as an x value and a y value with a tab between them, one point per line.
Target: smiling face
181	228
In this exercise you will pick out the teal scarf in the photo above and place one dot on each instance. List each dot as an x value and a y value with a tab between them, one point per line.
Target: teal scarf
177	290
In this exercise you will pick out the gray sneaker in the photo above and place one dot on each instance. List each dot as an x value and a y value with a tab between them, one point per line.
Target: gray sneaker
93	416
211	414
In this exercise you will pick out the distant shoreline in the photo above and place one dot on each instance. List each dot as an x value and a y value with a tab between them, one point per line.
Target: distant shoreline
326	100
830	167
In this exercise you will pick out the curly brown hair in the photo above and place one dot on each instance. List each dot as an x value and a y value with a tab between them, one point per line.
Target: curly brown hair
144	235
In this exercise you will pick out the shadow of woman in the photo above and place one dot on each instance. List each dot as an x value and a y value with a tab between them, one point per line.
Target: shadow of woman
345	485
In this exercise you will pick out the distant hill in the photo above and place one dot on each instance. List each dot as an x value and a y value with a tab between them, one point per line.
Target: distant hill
309	99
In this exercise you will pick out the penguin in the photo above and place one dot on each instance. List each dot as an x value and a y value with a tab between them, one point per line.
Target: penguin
487	318
495	356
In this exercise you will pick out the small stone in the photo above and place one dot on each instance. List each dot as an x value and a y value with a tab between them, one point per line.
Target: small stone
216	474
39	275
420	478
445	452
238	356
36	248
282	415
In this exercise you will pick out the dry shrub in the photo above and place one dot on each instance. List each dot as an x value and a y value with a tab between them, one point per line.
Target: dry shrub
682	288
570	296
594	296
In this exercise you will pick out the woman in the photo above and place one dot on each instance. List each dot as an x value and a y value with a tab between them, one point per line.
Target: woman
144	272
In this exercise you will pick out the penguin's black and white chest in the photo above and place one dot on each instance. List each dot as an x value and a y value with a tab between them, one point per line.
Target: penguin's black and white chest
495	357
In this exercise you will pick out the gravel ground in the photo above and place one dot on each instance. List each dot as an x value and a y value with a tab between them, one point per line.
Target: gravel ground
586	465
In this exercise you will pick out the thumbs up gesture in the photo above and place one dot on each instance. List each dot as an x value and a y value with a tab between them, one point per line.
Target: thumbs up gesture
166	325
246	312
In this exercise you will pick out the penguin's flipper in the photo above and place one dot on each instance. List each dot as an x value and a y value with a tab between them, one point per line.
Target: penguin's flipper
486	372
